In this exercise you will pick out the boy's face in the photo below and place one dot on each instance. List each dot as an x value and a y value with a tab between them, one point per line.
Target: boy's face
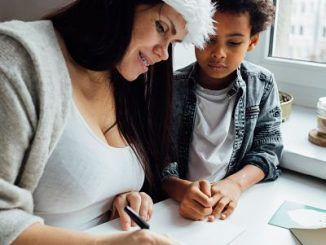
225	51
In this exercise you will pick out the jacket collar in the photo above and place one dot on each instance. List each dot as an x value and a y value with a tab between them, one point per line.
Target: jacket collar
192	76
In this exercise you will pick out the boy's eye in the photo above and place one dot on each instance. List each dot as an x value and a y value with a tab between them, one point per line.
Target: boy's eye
234	44
159	27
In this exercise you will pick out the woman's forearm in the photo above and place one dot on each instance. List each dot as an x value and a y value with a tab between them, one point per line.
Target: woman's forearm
43	234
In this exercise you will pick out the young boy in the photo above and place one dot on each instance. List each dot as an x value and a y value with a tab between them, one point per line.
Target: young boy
226	117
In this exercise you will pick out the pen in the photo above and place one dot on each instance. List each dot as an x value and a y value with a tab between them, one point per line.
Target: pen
135	217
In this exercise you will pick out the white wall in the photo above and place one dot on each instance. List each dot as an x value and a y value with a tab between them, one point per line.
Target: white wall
35	9
28	9
183	55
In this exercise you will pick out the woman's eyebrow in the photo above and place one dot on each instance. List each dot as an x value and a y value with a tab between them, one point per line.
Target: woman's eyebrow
173	29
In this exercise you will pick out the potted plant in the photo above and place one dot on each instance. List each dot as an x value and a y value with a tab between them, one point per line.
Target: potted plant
286	101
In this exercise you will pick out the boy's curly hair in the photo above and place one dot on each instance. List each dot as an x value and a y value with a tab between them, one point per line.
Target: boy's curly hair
261	12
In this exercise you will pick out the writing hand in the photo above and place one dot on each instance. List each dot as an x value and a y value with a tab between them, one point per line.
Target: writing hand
140	202
138	237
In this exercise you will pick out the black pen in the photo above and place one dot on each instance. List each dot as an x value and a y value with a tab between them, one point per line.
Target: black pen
135	217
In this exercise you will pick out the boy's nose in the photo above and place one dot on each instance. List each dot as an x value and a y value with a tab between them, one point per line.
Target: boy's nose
218	53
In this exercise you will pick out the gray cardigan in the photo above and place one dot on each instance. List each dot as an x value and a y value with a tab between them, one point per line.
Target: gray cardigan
35	89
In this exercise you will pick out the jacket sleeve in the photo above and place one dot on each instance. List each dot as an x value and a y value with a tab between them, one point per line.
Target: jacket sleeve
17	124
267	145
172	169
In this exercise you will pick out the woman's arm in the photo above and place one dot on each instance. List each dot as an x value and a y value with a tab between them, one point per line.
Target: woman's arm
42	234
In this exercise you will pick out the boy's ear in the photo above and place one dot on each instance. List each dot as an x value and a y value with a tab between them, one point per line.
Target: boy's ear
253	41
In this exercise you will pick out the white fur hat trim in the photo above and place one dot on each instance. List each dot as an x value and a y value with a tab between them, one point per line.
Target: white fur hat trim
198	15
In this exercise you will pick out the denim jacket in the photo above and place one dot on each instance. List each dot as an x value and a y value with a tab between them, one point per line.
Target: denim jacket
257	119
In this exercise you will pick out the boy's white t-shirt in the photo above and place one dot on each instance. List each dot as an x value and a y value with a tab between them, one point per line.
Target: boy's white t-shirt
213	135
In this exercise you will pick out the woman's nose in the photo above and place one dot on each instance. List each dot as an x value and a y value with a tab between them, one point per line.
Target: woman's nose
161	51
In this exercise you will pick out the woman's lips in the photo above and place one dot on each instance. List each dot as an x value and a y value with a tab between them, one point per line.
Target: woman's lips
145	61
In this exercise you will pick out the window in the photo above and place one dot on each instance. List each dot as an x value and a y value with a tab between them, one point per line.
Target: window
295	49
309	43
302	7
292	29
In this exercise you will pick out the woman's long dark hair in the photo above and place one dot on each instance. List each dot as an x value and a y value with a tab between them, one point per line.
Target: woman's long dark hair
97	34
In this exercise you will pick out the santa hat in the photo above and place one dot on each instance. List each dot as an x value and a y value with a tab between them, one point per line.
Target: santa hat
199	17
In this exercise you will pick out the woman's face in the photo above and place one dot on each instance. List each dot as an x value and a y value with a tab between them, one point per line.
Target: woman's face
155	28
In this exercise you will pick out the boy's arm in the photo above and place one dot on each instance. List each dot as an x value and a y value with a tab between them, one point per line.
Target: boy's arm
226	192
175	187
194	197
260	162
267	145
246	177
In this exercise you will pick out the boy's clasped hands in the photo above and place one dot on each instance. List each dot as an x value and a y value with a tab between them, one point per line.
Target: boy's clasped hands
203	199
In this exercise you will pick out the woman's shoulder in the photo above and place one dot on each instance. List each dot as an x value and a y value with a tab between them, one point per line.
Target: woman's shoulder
31	48
27	32
20	41
31	36
30	57
17	28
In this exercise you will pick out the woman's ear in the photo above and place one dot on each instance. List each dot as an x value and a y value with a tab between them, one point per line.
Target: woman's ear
253	42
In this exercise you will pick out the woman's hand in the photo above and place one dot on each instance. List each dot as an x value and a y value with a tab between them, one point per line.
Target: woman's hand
141	237
138	201
196	203
225	195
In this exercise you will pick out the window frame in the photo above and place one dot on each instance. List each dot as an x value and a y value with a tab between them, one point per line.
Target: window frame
298	78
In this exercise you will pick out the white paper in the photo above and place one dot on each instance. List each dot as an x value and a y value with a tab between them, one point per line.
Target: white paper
307	218
166	220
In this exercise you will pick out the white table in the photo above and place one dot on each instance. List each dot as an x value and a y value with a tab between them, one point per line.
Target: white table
259	203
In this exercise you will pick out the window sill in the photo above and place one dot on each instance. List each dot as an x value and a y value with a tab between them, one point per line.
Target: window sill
299	153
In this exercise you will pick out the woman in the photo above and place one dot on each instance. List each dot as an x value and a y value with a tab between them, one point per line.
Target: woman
78	137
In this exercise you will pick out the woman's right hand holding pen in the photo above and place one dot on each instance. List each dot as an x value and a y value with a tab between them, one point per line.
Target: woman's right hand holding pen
39	233
138	237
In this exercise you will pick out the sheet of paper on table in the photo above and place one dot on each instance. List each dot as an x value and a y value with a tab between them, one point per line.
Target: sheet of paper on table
307	223
166	220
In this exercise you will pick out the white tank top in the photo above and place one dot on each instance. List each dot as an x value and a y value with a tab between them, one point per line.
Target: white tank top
212	142
82	177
